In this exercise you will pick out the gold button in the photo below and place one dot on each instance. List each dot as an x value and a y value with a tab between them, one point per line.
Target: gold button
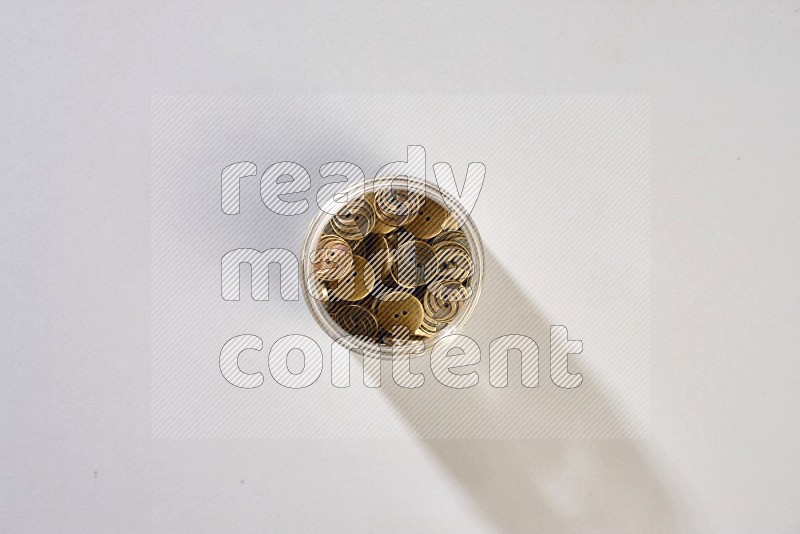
452	261
357	320
357	283
355	221
452	235
399	312
440	309
412	264
380	227
397	239
371	303
430	327
428	222
396	207
375	249
332	259
438	312
449	291
318	290
333	307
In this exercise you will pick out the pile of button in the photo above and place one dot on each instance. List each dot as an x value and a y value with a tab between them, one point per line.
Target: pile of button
392	266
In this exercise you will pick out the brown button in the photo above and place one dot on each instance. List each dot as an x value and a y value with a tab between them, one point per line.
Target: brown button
317	289
375	249
332	259
355	221
371	303
357	283
398	238
357	320
387	282
412	264
333	307
399	312
428	222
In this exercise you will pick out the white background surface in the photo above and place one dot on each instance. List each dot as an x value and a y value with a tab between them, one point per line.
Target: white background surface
564	218
76	87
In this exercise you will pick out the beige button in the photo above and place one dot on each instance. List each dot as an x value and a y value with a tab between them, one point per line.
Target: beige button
428	222
399	311
357	320
332	259
357	283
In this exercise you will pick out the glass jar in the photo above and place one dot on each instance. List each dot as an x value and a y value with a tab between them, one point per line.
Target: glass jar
321	305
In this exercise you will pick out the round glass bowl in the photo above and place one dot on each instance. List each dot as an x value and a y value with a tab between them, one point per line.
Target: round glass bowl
390	265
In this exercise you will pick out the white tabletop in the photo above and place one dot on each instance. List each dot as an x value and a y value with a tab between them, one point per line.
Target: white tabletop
716	439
